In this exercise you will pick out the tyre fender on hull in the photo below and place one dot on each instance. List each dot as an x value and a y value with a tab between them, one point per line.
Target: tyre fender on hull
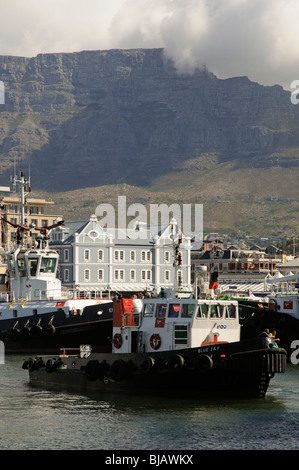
92	370
176	363
119	370
147	365
49	329
203	363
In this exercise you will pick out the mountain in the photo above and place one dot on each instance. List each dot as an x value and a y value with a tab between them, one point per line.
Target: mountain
93	118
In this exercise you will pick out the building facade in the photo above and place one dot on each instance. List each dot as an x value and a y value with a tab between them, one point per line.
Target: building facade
36	212
115	260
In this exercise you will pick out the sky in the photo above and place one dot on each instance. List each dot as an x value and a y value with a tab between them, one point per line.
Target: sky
256	38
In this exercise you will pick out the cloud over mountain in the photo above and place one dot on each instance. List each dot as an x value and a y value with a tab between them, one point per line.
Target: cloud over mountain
235	37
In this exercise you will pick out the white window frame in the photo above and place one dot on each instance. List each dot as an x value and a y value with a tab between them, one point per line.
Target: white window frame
146	256
100	255
86	255
86	275
66	255
119	255
146	275
119	275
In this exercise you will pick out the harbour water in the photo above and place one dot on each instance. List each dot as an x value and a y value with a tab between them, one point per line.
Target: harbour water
34	419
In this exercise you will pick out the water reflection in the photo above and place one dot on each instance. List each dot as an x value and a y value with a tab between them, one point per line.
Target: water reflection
33	418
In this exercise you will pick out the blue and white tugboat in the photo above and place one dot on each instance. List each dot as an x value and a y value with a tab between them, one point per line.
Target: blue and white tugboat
36	315
168	346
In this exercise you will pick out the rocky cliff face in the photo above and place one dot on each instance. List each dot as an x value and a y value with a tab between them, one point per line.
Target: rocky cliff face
104	117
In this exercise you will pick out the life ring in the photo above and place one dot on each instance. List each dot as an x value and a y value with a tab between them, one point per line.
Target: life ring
117	340
155	341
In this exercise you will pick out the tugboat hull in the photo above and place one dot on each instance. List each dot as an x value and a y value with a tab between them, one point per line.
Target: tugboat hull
46	333
239	370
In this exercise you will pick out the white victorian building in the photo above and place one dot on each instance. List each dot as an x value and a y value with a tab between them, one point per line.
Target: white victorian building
96	259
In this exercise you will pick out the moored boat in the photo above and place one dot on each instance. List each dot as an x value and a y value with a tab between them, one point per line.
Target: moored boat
36	315
168	346
279	313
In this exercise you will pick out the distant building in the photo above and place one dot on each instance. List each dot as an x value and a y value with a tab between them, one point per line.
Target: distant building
239	269
115	260
289	267
210	243
36	213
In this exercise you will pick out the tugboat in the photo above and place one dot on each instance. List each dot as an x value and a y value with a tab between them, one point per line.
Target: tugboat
188	348
35	314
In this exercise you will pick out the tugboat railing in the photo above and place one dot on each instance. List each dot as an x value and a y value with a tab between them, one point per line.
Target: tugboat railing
68	294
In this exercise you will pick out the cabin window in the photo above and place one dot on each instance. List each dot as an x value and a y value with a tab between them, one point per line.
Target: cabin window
187	310
174	310
161	311
203	311
22	267
230	311
221	310
148	310
215	311
32	266
48	265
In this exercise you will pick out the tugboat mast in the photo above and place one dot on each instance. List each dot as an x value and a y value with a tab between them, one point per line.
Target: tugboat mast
23	183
